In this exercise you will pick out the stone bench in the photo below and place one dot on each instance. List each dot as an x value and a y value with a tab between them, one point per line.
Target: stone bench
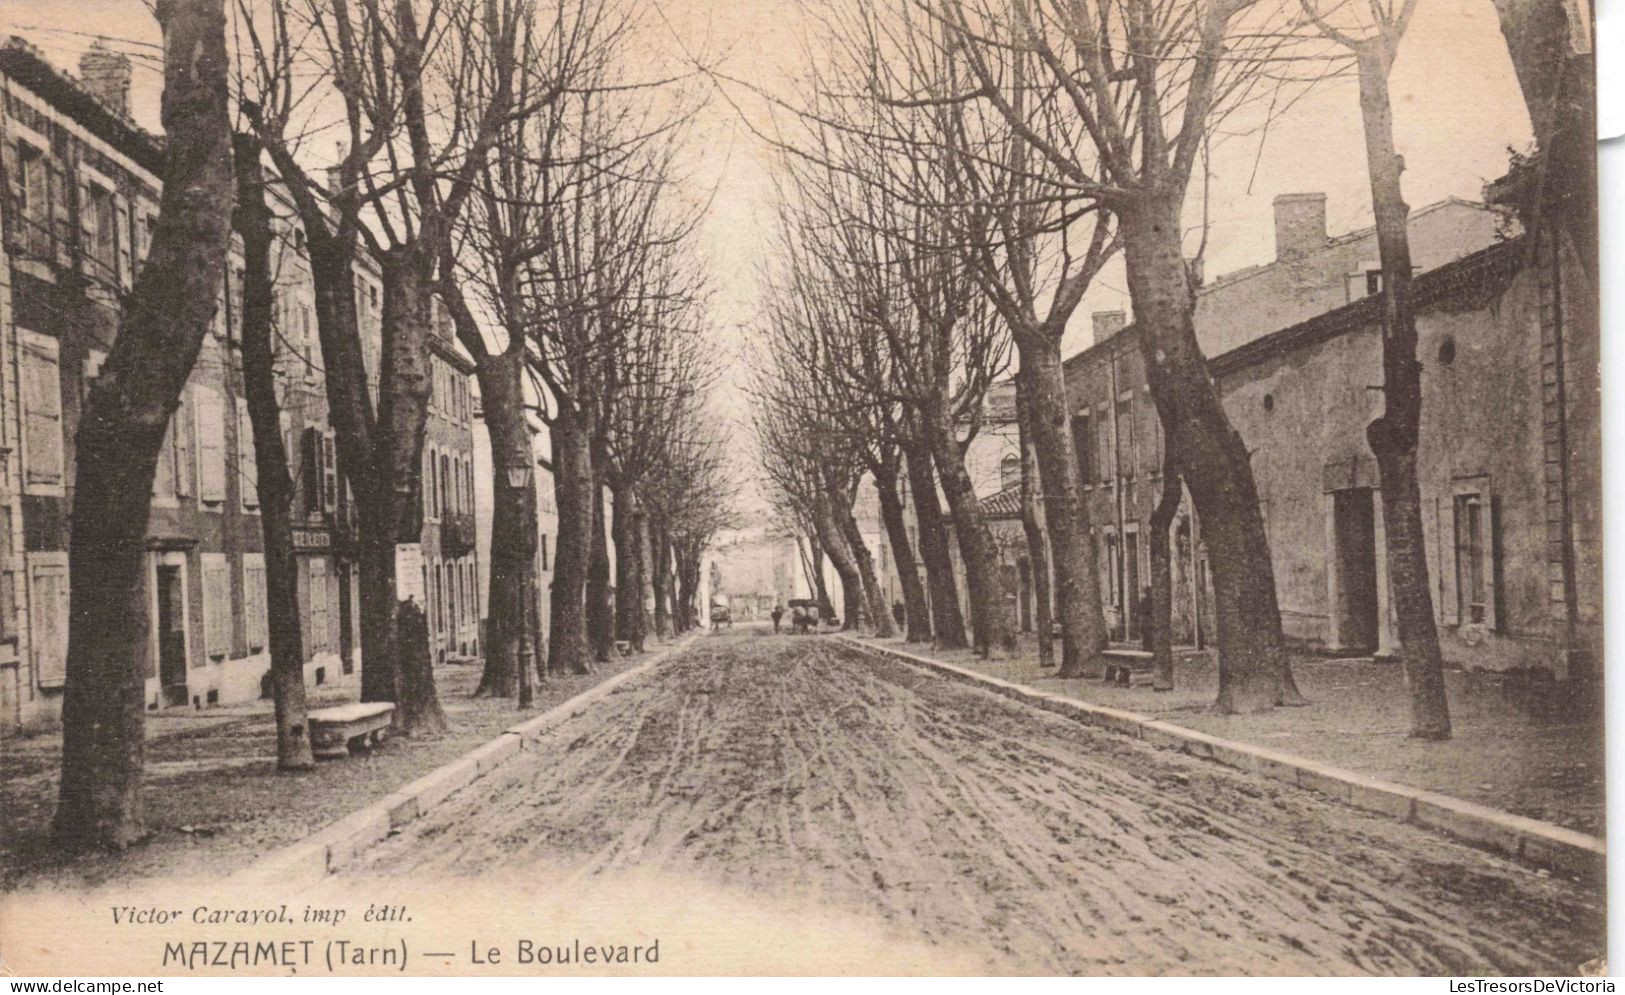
343	729
1129	667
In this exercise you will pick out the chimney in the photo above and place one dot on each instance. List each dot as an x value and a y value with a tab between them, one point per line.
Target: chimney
106	74
1300	224
1108	323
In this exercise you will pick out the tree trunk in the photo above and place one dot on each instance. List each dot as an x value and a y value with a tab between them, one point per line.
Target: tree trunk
274	485
834	543
659	553
1066	517
1253	671
874	597
628	568
947	624
600	607
572	482
992	617
1393	434
403	417
1162	574
646	589
122	430
1031	521
820	590
915	608
513	524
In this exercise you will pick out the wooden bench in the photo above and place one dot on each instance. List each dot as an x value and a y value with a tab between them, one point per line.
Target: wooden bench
343	729
1129	667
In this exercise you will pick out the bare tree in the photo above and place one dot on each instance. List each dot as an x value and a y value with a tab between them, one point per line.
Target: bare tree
424	93
253	222
1373	37
1149	81
165	319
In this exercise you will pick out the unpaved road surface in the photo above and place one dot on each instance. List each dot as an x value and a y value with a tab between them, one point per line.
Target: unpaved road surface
804	769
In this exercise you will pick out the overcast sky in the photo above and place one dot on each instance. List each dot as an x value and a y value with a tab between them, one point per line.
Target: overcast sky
1456	104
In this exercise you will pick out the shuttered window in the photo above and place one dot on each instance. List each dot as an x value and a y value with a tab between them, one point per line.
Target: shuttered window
1081	448
211	445
320	604
254	602
42	412
180	440
248	473
330	474
216	605
48	617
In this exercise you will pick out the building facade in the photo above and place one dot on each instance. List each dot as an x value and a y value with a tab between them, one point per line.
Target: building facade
1511	491
81	192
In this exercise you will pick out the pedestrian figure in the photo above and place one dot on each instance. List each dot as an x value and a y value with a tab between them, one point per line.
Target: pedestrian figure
778	613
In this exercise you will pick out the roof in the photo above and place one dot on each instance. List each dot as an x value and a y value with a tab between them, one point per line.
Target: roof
1004	505
1486	270
26	64
1239	276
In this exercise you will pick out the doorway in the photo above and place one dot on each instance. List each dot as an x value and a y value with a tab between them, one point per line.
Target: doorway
172	632
1355	532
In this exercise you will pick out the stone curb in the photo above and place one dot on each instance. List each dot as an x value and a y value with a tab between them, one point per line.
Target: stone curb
1531	840
339	843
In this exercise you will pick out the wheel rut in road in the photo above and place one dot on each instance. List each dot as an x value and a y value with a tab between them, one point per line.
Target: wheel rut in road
809	771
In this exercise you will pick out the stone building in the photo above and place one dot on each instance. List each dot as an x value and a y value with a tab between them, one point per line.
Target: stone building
81	190
1511	490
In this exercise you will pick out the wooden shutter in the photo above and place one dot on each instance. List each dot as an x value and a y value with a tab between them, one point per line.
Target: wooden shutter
254	617
330	476
216	605
180	424
48	622
42	406
319	604
310	469
211	445
121	239
248	469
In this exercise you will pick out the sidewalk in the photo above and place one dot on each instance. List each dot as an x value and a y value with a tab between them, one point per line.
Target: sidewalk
1513	748
215	800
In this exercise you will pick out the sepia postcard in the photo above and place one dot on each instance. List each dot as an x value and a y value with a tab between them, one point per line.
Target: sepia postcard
800	487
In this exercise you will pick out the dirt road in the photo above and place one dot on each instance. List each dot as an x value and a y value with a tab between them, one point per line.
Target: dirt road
801	769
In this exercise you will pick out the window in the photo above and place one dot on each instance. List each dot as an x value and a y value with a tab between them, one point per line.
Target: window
1373	282
98	224
248	471
42	414
1104	434
1128	457
431	498
210	420
255	607
330	475
1080	446
34	202
48	617
1472	601
1009	470
446	496
216	606
174	477
307	339
913	541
